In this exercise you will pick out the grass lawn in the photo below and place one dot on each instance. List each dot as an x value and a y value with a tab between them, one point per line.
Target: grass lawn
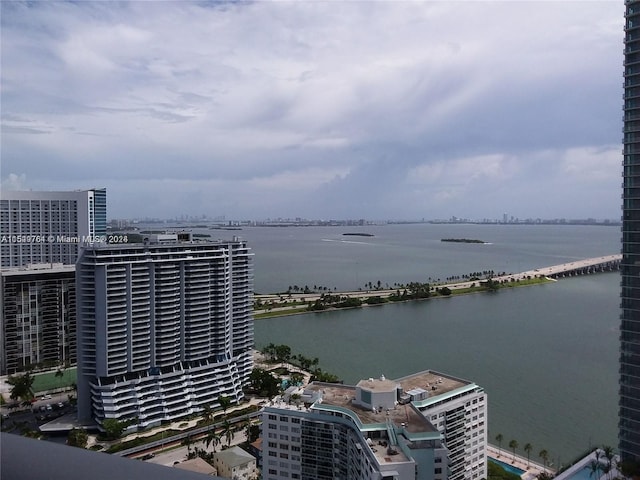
49	381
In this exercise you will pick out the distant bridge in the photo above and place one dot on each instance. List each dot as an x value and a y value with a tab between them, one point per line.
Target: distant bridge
607	263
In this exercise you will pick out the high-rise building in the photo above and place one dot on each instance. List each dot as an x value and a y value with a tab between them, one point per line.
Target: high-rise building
38	318
426	426
40	237
164	328
49	227
629	403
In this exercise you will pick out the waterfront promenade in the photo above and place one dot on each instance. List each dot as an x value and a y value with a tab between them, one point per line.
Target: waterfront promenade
530	468
273	302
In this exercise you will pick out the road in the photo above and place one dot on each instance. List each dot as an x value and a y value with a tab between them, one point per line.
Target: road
176	454
312	297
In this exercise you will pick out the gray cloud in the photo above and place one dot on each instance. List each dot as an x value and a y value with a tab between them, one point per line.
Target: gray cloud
318	109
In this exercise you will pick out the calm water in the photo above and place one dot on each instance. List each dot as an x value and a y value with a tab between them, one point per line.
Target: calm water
546	355
403	253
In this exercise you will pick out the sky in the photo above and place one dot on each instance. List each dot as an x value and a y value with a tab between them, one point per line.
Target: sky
317	109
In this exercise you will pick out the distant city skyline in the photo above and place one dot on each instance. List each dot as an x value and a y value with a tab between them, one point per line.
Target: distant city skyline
124	222
402	110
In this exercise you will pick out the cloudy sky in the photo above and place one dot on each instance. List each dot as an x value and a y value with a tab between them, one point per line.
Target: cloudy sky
317	109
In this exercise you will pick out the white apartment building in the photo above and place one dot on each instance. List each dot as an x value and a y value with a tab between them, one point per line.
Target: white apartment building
49	227
458	409
164	329
40	237
350	432
377	429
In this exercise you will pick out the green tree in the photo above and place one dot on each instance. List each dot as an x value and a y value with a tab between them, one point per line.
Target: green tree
21	387
264	383
227	432
594	469
212	438
113	428
283	353
607	452
252	432
492	285
59	373
544	455
513	444
270	351
499	439
187	442
320	376
296	378
77	437
207	414
225	403
527	448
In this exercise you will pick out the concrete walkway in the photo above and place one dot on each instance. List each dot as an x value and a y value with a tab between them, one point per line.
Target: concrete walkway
531	469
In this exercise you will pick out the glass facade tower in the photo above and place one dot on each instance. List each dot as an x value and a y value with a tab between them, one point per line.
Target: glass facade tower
629	423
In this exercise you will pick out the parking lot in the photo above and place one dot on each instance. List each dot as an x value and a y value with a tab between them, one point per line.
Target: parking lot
18	419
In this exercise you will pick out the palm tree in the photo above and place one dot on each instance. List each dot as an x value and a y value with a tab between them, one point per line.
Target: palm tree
227	431
513	444
59	373
607	452
527	448
207	414
225	402
544	455
594	469
499	439
187	442
212	438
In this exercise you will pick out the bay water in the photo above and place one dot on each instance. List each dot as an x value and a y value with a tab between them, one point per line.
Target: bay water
546	355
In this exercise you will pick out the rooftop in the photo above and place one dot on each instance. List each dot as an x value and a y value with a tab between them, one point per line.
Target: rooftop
234	457
433	382
377	384
39	269
343	395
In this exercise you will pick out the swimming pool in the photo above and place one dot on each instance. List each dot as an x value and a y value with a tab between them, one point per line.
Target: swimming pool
582	474
511	468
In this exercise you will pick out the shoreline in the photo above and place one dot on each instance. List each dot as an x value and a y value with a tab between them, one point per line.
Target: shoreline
278	312
536	276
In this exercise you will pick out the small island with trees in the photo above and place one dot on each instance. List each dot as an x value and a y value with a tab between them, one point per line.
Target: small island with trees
462	240
358	234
